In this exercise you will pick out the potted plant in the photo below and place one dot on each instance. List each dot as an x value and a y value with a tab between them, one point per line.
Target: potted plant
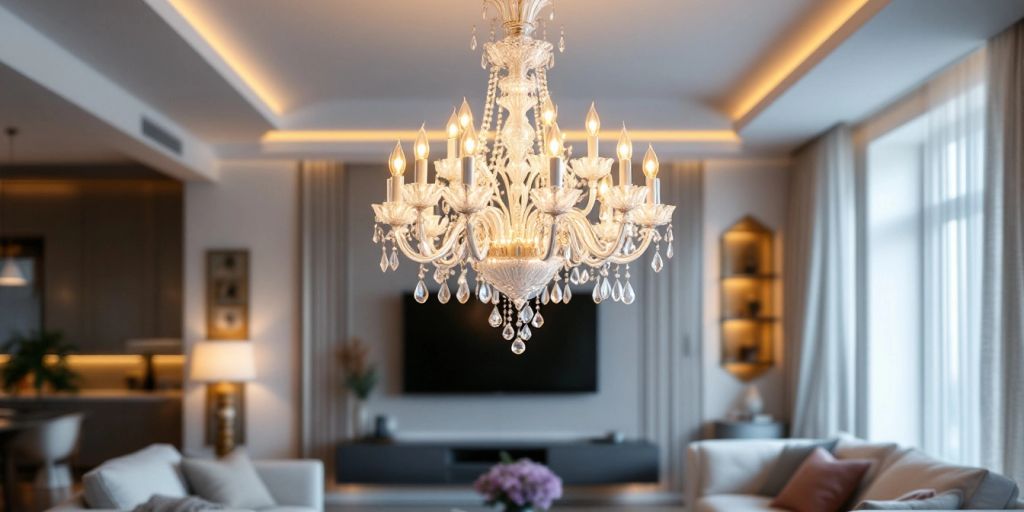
39	358
519	486
360	379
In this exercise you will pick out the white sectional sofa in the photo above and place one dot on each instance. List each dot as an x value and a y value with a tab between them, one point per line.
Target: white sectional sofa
726	475
126	482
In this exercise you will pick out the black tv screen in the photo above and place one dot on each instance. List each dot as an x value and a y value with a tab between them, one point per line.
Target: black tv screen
450	348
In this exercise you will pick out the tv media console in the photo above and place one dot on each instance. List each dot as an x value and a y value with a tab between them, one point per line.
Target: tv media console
448	463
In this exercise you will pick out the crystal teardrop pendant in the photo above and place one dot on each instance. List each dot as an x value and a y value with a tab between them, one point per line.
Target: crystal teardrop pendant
545	297
617	291
495	319
420	293
584	277
472	40
538	321
668	234
485	293
628	295
574	277
561	41
440	275
669	252
556	294
526	314
508	332
567	294
495	298
376	236
606	289
463	293
597	292
445	294
657	263
525	333
384	260
394	259
518	347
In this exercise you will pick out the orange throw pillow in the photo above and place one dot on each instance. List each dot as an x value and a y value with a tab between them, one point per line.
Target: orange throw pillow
822	483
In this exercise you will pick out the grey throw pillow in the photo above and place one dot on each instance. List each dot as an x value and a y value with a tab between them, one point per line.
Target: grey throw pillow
946	501
230	481
787	464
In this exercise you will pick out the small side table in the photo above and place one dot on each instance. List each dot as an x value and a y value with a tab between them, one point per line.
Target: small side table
749	430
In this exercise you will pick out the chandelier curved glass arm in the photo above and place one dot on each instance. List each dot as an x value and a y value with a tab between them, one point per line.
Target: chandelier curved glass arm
510	207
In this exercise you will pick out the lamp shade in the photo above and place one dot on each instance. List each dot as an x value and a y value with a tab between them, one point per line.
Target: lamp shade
222	361
11	274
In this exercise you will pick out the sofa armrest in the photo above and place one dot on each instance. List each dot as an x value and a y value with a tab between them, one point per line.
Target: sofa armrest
731	466
295	483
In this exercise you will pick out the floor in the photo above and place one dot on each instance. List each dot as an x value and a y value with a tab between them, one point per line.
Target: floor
556	508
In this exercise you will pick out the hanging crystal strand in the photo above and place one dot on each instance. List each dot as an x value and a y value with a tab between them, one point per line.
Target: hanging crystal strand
628	295
463	291
538	319
668	241
420	293
472	39
656	262
561	41
394	257
508	332
617	289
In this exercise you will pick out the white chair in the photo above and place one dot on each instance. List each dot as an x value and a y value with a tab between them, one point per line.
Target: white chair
47	447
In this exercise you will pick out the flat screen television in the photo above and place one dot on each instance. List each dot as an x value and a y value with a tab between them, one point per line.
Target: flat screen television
450	348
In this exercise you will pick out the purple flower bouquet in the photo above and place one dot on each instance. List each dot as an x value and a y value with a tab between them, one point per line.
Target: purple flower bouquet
519	486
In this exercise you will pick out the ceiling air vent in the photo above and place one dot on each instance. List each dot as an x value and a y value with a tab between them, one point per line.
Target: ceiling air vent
161	136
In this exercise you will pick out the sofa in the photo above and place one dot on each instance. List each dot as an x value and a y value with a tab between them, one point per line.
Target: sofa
126	482
726	475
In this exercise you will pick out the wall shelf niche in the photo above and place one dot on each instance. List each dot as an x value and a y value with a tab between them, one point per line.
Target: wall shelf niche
749	299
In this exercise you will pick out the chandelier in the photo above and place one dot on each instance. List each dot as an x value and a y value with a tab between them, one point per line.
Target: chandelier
505	206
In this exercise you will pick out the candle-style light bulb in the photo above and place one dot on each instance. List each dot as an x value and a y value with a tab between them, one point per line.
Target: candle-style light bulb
548	112
593	121
651	163
469	141
422	145
625	146
452	128
397	161
554	141
465	115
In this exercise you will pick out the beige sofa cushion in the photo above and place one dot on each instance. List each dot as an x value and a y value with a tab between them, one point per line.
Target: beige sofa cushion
915	470
881	455
231	480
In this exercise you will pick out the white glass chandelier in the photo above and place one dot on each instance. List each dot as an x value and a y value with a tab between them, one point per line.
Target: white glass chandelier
504	206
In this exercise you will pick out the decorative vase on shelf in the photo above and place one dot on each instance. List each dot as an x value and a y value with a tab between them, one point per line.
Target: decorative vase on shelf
752	402
357	419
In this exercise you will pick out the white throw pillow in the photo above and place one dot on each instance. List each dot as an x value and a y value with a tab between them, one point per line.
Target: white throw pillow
129	481
230	481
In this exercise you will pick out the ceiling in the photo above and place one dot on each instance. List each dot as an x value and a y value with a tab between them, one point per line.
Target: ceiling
227	72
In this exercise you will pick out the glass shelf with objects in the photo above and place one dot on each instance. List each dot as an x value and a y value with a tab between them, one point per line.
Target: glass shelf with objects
750	296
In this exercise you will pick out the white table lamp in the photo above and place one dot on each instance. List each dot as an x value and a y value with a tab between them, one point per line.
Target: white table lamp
223	364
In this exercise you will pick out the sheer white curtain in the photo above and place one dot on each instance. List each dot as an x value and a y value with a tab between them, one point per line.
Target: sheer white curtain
1002	339
819	269
952	231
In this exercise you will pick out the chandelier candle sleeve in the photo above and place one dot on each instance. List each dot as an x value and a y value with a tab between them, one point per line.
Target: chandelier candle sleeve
468	155
453	135
397	167
625	151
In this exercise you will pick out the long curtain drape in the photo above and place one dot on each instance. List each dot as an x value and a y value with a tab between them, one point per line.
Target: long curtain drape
324	322
1002	338
952	185
819	299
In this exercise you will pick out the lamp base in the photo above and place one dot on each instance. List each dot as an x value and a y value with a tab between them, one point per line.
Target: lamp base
225	441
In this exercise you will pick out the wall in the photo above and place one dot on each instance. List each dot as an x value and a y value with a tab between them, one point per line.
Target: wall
732	189
254	205
111	255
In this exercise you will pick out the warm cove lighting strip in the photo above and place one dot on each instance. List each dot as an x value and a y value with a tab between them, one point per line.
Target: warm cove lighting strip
817	38
349	136
207	30
109	359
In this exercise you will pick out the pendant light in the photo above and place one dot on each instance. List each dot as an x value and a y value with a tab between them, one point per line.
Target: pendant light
10	272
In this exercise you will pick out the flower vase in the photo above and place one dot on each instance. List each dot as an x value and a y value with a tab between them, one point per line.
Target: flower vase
357	418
